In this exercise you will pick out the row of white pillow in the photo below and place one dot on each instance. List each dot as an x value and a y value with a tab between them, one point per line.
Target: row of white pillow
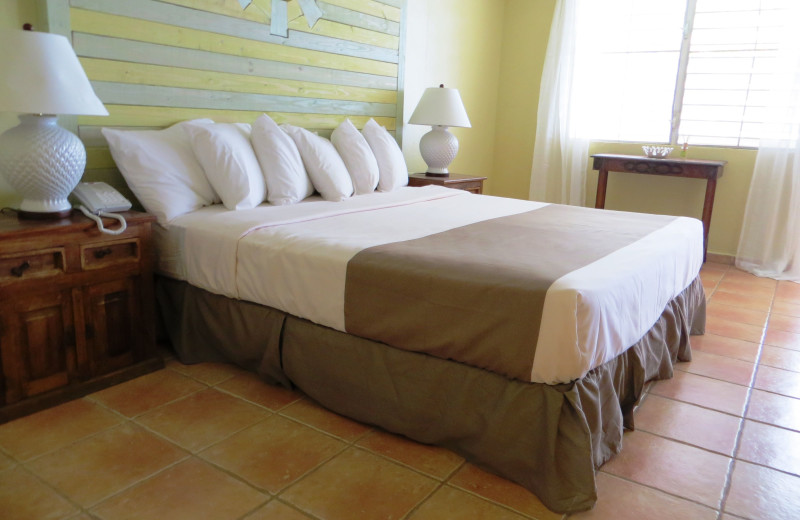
198	163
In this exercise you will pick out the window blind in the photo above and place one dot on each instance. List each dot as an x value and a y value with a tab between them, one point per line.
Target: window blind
674	71
627	57
732	55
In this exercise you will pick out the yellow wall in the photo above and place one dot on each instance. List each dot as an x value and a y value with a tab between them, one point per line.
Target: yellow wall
526	28
456	43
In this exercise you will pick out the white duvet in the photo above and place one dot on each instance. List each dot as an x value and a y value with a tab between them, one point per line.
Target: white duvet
294	258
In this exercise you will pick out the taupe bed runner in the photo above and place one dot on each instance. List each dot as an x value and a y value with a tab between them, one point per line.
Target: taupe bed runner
476	293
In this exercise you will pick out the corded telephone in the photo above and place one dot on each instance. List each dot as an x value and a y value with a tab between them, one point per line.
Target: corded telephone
101	200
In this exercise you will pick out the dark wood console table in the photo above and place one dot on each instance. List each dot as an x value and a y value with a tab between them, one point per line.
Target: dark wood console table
670	167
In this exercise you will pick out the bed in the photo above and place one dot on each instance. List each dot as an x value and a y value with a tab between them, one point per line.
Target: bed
298	293
516	333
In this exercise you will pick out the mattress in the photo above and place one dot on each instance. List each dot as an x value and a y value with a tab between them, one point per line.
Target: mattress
296	258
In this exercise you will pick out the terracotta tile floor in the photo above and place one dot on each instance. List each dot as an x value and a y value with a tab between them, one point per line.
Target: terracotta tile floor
721	440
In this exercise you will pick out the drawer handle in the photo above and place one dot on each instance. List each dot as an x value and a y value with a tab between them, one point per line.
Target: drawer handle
100	253
17	271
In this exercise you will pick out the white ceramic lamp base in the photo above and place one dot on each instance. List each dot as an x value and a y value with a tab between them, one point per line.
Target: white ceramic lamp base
42	162
438	148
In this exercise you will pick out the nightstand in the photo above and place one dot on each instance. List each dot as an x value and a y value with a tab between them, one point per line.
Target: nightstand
76	309
454	180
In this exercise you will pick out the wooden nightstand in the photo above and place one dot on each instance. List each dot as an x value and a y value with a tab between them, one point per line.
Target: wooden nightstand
459	182
76	309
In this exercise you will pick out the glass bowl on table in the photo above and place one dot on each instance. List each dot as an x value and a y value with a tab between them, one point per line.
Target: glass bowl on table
656	152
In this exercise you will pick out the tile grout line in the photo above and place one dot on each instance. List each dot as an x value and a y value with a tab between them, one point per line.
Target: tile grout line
57	490
720	509
661	491
418	505
737	443
280	411
135	484
130	420
54	489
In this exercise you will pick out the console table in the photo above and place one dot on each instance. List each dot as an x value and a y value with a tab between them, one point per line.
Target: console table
670	167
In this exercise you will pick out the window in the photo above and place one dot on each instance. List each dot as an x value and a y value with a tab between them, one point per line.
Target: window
669	71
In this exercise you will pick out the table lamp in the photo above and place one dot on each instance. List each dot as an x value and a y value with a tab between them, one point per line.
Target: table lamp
439	107
42	161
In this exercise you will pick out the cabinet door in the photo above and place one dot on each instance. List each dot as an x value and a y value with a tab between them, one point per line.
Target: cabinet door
37	344
114	332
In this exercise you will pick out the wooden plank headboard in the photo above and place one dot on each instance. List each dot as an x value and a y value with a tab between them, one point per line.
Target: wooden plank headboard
156	62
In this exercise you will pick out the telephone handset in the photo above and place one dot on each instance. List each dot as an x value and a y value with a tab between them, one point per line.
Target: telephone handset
101	200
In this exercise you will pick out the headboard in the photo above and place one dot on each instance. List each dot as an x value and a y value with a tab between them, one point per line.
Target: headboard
156	62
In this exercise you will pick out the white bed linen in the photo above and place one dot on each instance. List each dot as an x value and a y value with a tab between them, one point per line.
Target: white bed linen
294	258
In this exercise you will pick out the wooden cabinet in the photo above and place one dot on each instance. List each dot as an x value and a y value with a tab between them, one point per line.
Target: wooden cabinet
454	180
76	309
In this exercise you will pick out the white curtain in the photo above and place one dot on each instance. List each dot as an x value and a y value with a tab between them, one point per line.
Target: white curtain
769	244
560	156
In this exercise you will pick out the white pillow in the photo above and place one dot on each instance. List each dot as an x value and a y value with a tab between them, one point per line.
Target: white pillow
357	156
161	170
391	163
323	164
231	167
281	164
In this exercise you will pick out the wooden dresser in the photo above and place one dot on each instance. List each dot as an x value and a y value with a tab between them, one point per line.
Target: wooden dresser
76	309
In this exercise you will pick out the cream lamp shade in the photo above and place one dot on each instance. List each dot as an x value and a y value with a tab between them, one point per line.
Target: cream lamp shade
43	162
441	108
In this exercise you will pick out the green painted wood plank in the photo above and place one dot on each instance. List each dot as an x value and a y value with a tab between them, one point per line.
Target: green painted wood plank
371	7
93	22
255	12
99	157
132	115
93	46
92	136
340	31
151	95
159	12
146	74
393	3
346	16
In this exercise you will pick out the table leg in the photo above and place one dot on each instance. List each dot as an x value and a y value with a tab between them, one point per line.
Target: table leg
708	207
602	180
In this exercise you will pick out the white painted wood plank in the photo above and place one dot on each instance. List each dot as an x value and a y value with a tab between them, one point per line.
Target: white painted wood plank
311	11
150	95
345	16
155	11
93	46
279	19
